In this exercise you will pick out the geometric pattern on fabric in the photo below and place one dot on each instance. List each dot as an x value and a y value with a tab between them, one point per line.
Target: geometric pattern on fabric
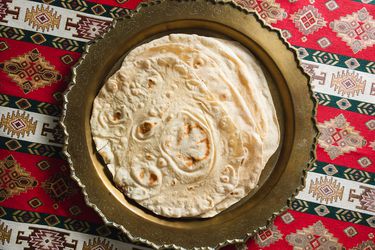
42	207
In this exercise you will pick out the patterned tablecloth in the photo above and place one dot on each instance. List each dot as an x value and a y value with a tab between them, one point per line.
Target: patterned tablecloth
43	208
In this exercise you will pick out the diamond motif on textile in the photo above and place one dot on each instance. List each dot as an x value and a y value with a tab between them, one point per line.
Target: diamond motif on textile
349	84
350	231
35	203
352	63
41	18
14	179
31	71
343	103
330	169
43	165
308	20
315	236
269	236
356	30
371	221
13	145
38	38
67	59
370	124
287	218
302	53
52	220
321	210
75	210
23	103
286	34
98	9
103	230
364	162
17	124
326	189
331	5
3	46
324	42
338	137
59	187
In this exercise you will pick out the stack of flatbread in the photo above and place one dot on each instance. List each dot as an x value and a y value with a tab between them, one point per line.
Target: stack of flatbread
186	125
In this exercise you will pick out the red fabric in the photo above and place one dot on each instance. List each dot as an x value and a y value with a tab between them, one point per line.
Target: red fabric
302	214
52	55
357	120
304	220
50	206
345	7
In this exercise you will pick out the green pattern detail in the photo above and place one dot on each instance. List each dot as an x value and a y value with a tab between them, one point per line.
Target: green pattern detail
118	12
26	217
60	222
323	99
343	172
4	100
299	205
50	41
77	225
77	5
345	104
29	105
30	147
332	212
349	216
66	44
370	67
42	149
366	108
325	58
11	33
334	59
359	176
49	109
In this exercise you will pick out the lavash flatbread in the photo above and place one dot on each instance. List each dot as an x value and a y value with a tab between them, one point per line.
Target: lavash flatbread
151	118
170	144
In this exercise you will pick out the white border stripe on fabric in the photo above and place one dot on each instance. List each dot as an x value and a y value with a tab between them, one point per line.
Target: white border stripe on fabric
80	237
40	119
325	86
21	23
350	188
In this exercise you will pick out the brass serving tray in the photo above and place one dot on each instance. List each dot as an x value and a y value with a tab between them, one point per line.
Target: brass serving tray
284	173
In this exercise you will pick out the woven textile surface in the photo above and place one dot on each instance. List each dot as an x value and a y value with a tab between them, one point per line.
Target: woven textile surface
41	207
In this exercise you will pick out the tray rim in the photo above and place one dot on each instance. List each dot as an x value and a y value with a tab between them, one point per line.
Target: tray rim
312	153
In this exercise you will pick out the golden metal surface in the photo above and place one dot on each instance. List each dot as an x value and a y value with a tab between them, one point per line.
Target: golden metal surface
284	173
